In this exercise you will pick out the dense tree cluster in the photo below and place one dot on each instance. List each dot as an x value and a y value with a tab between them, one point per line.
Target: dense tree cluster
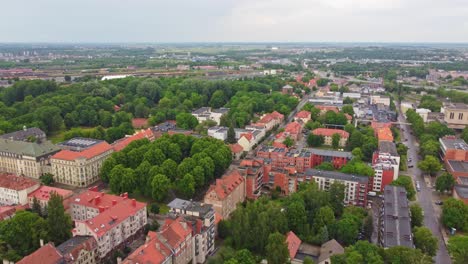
21	235
54	108
431	103
457	246
407	183
315	216
455	214
178	162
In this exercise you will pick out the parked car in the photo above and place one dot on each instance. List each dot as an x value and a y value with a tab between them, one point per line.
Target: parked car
410	166
439	202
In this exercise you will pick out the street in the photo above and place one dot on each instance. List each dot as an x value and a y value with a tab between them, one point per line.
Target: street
424	197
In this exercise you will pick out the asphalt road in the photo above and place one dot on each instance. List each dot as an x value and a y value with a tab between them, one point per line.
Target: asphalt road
431	219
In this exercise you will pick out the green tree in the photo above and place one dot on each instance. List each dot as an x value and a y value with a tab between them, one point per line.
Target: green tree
430	165
405	255
324	218
59	223
297	217
430	147
407	183
186	185
336	140
425	241
186	121
445	182
417	217
277	249
348	109
36	207
160	185
464	134
458	248
328	166
357	154
315	140
455	214
289	142
231	135
337	195
244	256
47	179
346	231
308	260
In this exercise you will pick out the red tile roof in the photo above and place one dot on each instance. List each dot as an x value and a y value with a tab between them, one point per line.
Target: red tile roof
303	114
18	183
120	144
327	108
384	134
226	184
248	136
269	117
152	252
116	108
236	148
218	218
47	254
293	128
293	244
277	144
328	132
88	153
175	231
95	199
139	122
7	211
44	192
113	216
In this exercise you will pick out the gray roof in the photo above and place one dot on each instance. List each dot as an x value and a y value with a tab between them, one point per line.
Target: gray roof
329	249
31	149
69	245
462	191
458	166
191	206
332	153
388	147
463	180
396	218
23	135
201	110
221	110
79	143
454	143
337	175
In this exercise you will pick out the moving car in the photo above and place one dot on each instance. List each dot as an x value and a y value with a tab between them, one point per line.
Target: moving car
418	187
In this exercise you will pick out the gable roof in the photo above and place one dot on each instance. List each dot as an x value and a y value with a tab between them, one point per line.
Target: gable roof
293	128
17	183
328	132
175	231
329	249
88	153
154	251
226	184
384	133
293	244
120	144
70	249
303	114
31	149
47	254
247	136
236	148
44	192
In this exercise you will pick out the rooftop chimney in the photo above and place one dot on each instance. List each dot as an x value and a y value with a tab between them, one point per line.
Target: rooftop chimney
114	202
133	202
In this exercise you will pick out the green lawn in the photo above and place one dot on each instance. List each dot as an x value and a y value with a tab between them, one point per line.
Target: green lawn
57	137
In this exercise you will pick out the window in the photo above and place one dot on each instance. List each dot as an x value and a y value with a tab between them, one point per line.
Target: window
452	115
460	116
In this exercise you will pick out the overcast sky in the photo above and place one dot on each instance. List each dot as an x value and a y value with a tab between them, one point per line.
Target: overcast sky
234	20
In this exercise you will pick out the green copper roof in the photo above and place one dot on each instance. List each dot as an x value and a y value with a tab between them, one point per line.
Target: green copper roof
31	149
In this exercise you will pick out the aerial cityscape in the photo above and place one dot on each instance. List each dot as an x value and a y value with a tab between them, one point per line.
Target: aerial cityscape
232	132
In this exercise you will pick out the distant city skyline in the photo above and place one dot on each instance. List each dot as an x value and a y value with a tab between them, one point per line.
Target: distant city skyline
157	21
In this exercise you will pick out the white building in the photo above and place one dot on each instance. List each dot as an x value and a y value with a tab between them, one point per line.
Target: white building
206	113
423	112
14	189
378	99
218	132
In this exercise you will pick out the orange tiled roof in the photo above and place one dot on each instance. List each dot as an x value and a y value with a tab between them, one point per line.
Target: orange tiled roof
88	153
293	128
112	216
123	142
303	114
47	254
384	133
13	182
328	132
175	231
248	136
327	108
293	244
236	148
226	184
139	122
152	252
44	192
277	144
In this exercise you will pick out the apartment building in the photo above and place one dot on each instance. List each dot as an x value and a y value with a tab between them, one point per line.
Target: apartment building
76	250
387	151
395	220
453	148
201	217
304	116
455	115
253	171
356	187
79	161
292	130
14	189
31	134
26	158
172	244
384	174
285	179
207	113
328	133
112	220
226	193
269	121
43	194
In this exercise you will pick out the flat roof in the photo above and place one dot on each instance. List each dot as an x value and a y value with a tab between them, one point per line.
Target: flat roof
396	218
458	166
79	143
191	206
333	153
336	175
454	143
388	147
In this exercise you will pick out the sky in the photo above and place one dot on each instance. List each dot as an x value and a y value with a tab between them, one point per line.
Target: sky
110	21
